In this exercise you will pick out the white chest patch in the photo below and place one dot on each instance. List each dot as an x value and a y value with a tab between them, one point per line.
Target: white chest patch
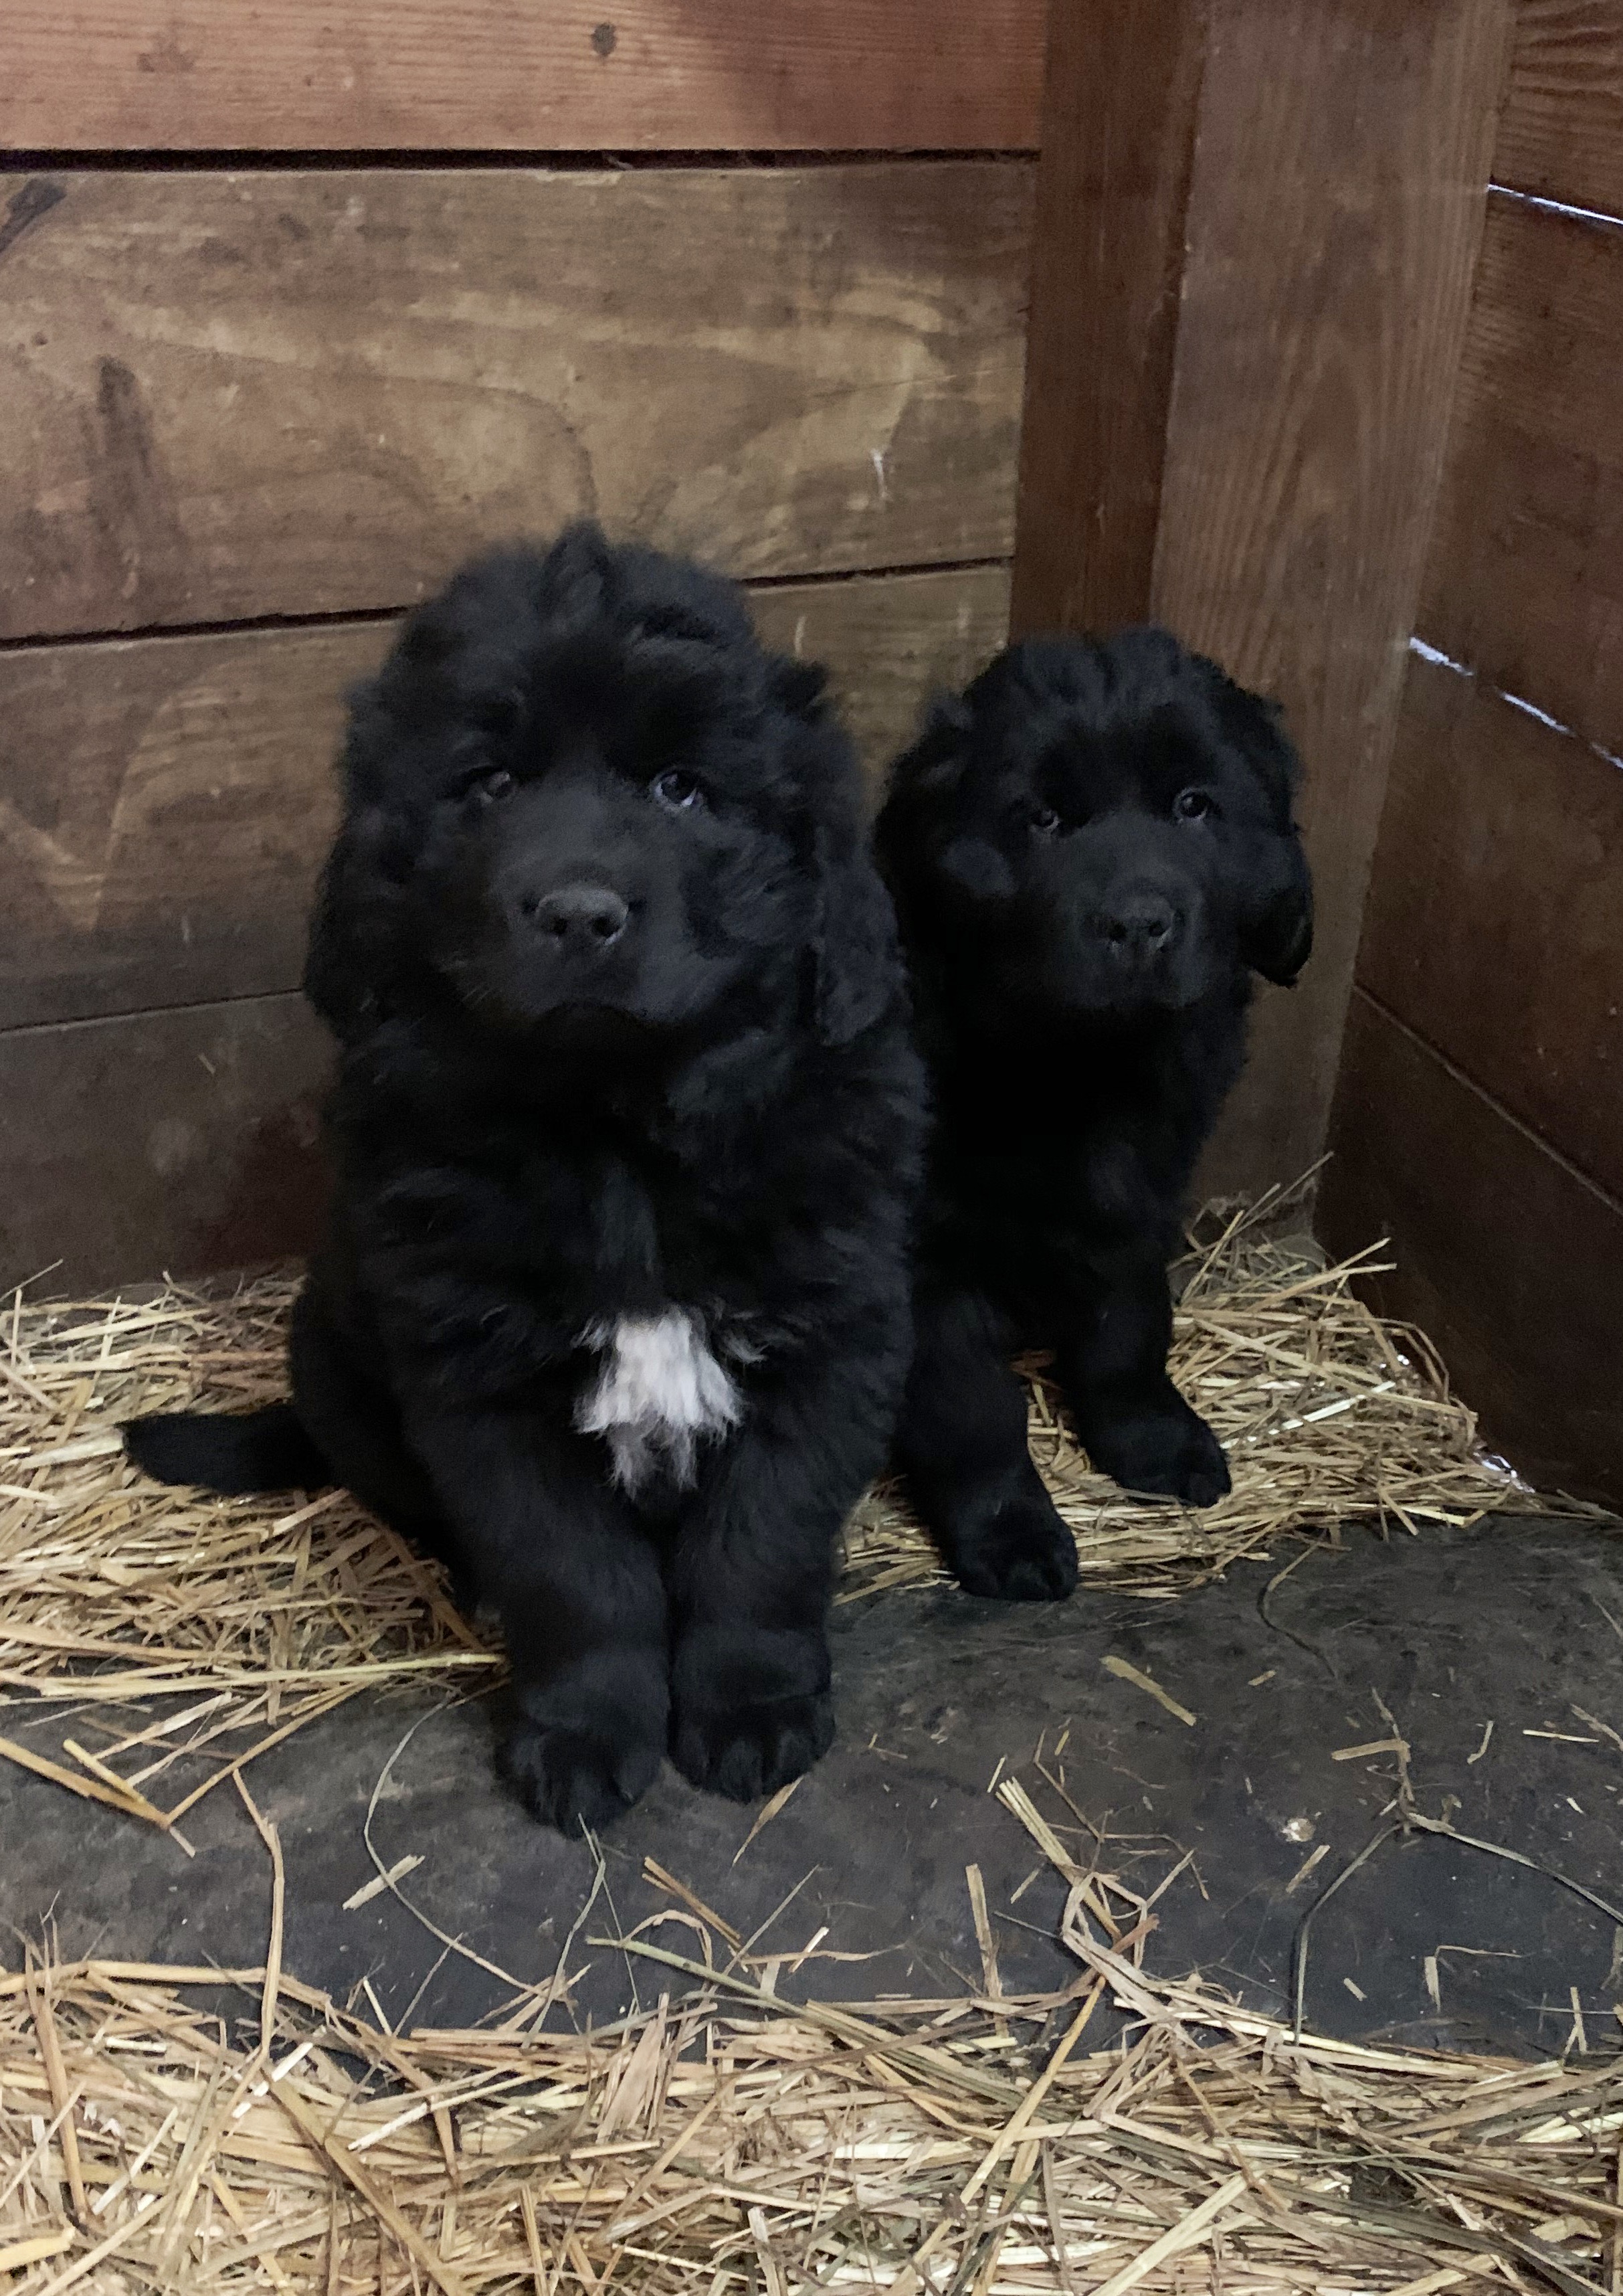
659	1393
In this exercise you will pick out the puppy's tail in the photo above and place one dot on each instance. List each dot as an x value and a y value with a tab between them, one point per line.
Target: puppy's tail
231	1451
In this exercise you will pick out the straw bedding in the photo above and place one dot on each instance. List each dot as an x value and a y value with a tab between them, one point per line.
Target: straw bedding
723	2142
188	2130
175	1636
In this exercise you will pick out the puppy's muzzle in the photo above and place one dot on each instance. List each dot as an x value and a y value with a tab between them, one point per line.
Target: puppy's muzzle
1138	925
578	920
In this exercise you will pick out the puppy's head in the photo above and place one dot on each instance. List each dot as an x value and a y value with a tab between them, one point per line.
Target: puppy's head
1102	828
582	798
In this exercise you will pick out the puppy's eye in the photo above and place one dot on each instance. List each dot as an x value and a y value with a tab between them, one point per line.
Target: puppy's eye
1194	805
1043	820
676	791
491	786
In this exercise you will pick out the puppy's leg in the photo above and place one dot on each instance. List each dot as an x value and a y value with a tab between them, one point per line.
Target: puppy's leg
962	1447
751	1573
354	1422
1135	1424
578	1584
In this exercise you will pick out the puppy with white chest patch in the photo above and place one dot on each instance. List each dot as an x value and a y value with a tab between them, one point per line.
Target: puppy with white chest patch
614	1315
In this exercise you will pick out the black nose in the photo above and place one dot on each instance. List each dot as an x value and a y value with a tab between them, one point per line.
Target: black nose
583	919
1139	925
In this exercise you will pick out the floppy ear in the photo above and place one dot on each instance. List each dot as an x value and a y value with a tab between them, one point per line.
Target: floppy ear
1277	937
800	688
919	780
347	967
976	868
935	763
855	948
1256	727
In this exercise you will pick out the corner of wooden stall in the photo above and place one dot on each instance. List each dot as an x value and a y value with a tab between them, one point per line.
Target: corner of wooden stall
1327	324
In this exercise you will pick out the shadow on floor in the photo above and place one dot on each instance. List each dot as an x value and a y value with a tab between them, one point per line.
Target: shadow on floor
1514	1623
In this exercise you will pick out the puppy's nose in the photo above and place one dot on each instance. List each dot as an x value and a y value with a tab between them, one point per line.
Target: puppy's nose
583	918
1140	925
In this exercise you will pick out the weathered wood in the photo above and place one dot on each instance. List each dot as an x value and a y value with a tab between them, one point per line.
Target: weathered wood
890	642
1507	1259
530	74
1524	578
1562	135
1492	927
1334	217
165	802
1112	194
184	1140
245	395
165	805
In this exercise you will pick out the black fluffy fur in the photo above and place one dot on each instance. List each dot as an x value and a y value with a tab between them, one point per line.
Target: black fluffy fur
623	1027
1092	852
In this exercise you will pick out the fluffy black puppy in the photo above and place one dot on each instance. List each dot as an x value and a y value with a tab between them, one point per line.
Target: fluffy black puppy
613	1313
1091	854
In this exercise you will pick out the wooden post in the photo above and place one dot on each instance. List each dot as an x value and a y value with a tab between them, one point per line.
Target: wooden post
1243	350
1119	127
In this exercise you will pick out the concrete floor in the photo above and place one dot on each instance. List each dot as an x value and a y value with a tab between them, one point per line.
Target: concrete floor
1516	1623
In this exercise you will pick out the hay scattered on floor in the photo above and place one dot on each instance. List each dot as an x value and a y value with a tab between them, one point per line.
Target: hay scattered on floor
1329	1416
175	1636
726	2142
181	1634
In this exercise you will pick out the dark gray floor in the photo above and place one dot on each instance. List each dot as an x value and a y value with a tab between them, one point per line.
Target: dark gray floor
1516	1623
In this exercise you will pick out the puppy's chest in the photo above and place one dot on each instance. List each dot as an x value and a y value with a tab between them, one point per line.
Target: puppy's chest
673	1323
662	1385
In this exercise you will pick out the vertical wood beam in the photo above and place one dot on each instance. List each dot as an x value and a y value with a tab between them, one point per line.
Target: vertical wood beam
1119	127
1243	350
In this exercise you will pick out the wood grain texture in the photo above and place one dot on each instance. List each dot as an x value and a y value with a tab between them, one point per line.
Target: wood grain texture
1113	193
529	75
1335	213
1493	924
1510	1261
165	803
1561	134
1524	578
245	395
183	1140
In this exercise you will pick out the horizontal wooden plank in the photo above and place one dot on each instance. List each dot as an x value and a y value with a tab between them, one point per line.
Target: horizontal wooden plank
1562	133
1493	924
1335	214
1525	576
184	1140
231	395
528	75
1509	1262
165	802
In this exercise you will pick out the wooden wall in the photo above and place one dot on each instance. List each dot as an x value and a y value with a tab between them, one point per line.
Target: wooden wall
298	306
1478	1120
256	404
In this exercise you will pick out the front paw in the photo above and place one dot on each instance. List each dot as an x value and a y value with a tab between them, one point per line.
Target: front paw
1019	1552
752	1708
570	1775
747	1751
1167	1452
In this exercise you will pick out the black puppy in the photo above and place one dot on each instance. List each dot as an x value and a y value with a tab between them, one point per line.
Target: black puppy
1091	853
613	1313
